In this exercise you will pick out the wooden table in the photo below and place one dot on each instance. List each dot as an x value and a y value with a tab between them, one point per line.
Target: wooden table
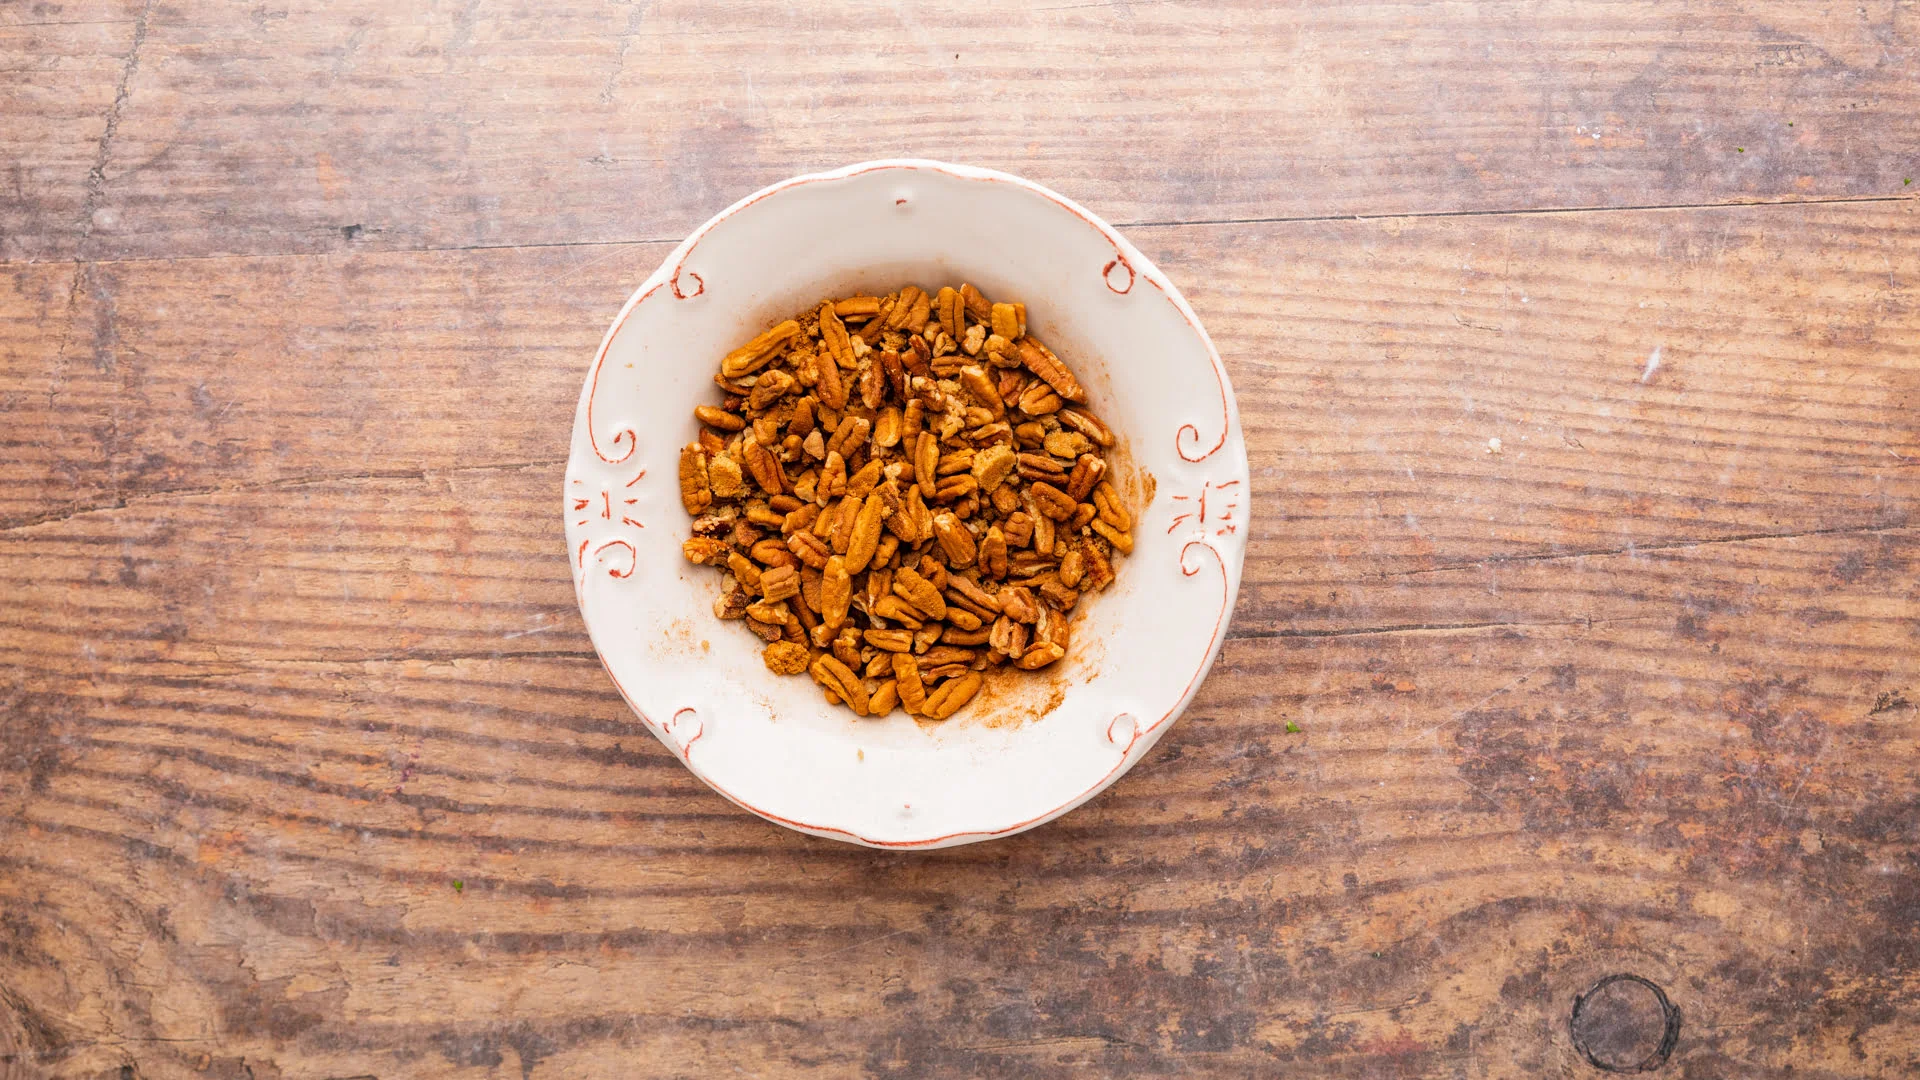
1578	352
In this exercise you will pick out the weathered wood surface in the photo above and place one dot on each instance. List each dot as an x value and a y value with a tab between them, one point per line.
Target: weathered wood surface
285	126
287	648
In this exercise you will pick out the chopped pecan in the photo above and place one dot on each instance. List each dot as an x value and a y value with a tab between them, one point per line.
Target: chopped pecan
754	354
1051	500
1039	655
1112	510
890	640
801	423
947	654
771	387
857	307
718	418
1007	637
983	391
956	636
696	494
926	458
1018	604
898	610
836	592
950	310
1087	424
809	549
977	305
723	476
970	592
866	533
773	612
732	604
910	586
1072	567
764	466
906	674
862	483
744	572
1121	541
951	695
774	553
955	487
956	543
831	672
1040	360
1059	594
886	429
958	461
992	466
1067	444
1006	322
785	658
1040	467
1087	472
1018	529
993	553
700	549
780	583
1099	569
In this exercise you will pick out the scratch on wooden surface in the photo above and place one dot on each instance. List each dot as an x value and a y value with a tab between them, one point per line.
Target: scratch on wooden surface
859	945
1460	714
96	186
636	15
1653	365
1409	628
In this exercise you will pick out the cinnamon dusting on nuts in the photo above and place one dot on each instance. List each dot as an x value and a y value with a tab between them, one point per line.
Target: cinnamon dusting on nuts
905	492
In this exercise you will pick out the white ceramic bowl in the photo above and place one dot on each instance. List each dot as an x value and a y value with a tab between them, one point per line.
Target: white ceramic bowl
1011	760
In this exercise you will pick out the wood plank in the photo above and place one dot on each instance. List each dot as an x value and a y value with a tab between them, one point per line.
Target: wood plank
67	67
318	127
1374	361
469	563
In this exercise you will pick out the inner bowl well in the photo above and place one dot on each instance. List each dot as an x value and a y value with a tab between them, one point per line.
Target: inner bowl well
1028	749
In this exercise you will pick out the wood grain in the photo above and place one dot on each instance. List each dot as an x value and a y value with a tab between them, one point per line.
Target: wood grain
314	127
67	70
307	767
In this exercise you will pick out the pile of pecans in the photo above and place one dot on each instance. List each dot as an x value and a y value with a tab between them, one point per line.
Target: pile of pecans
907	492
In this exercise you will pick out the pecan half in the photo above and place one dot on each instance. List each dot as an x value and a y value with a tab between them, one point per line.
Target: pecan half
956	543
829	671
754	354
695	492
906	675
836	592
1040	360
951	695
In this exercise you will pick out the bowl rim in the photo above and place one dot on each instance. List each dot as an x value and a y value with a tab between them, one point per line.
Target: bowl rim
1137	266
